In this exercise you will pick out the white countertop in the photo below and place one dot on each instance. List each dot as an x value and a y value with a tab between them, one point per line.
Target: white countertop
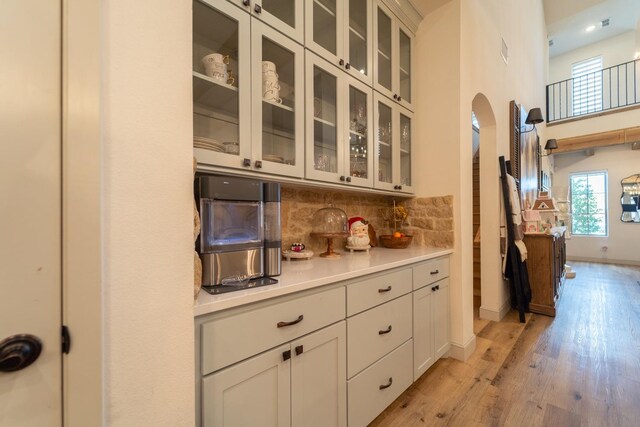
298	275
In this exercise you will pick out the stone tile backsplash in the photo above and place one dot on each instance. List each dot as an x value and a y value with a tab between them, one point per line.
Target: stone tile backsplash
430	219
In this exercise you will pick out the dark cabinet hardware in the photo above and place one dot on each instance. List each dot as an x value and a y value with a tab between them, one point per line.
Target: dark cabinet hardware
433	289
435	272
395	187
347	66
383	290
399	98
348	179
246	163
258	164
299	350
286	355
342	178
258	8
341	62
293	322
399	187
246	2
19	351
387	385
66	340
395	96
385	331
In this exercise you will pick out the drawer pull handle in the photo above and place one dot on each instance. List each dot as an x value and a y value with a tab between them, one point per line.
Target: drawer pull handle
383	386
435	272
283	324
385	331
383	290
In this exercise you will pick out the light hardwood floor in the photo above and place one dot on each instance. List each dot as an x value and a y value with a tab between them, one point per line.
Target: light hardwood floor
581	368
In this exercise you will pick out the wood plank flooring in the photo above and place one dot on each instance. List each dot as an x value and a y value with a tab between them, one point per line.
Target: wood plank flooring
581	368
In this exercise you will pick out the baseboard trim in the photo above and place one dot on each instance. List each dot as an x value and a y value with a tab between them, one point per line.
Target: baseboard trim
496	316
463	352
604	260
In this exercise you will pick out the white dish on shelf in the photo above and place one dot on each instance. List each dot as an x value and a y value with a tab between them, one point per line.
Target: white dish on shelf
212	144
273	158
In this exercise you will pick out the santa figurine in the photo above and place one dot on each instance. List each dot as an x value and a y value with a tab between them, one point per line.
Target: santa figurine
359	230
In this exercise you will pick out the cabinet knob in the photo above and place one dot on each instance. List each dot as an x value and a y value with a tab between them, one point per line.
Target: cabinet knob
385	331
395	96
348	179
387	385
258	164
347	66
383	290
399	187
246	163
341	62
258	8
299	350
342	178
286	355
246	2
395	187
399	98
433	289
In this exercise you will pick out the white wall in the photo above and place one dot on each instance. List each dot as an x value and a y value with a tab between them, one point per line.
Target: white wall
458	49
615	50
147	214
623	241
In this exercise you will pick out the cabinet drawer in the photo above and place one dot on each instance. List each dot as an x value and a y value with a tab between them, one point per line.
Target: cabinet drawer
377	290
230	339
374	333
430	271
367	394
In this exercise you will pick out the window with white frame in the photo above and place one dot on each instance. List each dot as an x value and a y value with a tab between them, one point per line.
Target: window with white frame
587	86
589	216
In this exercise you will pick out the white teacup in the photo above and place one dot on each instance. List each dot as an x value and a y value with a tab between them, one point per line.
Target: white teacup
268	66
270	85
217	57
272	95
214	68
219	77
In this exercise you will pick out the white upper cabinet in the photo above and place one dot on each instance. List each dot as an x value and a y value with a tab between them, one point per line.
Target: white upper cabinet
277	102
337	128
285	16
394	169
221	84
393	56
341	32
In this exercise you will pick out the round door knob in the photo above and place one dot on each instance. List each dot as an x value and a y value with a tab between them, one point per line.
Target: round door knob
19	351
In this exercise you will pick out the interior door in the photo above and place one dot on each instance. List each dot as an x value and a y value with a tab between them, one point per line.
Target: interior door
30	218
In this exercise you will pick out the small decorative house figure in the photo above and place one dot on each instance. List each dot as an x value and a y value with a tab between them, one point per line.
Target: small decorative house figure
547	209
532	221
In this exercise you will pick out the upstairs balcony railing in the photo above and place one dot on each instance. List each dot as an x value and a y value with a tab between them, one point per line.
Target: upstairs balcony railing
607	89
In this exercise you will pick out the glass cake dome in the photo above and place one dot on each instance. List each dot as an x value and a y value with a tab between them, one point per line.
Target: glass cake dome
329	221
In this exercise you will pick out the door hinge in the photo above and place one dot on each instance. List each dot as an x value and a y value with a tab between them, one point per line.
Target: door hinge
66	340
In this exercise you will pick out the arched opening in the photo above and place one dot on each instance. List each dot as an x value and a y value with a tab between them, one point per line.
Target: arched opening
477	265
492	291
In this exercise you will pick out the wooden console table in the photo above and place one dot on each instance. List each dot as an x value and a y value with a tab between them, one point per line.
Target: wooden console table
545	262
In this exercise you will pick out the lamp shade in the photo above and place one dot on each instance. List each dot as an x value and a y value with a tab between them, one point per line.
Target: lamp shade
551	144
534	117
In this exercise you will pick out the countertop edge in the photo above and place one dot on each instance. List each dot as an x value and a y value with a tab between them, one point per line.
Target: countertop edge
262	294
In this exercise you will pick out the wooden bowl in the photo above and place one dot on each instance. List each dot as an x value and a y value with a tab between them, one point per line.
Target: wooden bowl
388	241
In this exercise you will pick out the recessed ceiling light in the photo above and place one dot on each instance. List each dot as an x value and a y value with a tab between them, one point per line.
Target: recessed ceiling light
590	28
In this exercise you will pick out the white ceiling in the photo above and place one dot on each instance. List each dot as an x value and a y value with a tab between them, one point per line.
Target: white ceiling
567	21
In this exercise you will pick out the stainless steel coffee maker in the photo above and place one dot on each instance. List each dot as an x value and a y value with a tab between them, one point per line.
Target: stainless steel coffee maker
240	242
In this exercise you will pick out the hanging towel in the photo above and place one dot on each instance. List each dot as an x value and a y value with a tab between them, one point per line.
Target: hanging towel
516	212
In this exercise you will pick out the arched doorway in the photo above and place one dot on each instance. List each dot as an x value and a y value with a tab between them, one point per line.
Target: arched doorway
492	290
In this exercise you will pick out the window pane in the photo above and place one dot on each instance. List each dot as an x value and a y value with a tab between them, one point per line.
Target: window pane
599	204
579	205
589	203
578	184
596	182
597	225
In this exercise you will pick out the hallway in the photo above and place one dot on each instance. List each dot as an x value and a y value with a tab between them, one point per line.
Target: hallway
580	369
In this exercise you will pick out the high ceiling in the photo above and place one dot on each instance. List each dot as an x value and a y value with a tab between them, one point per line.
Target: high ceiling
567	21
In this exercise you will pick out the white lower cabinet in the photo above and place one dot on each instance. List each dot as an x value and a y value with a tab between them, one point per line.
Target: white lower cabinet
431	336
371	391
302	383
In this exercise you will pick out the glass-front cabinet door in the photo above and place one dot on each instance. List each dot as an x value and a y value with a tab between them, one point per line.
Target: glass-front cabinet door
221	84
394	169
340	31
277	102
338	125
324	120
287	16
393	57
